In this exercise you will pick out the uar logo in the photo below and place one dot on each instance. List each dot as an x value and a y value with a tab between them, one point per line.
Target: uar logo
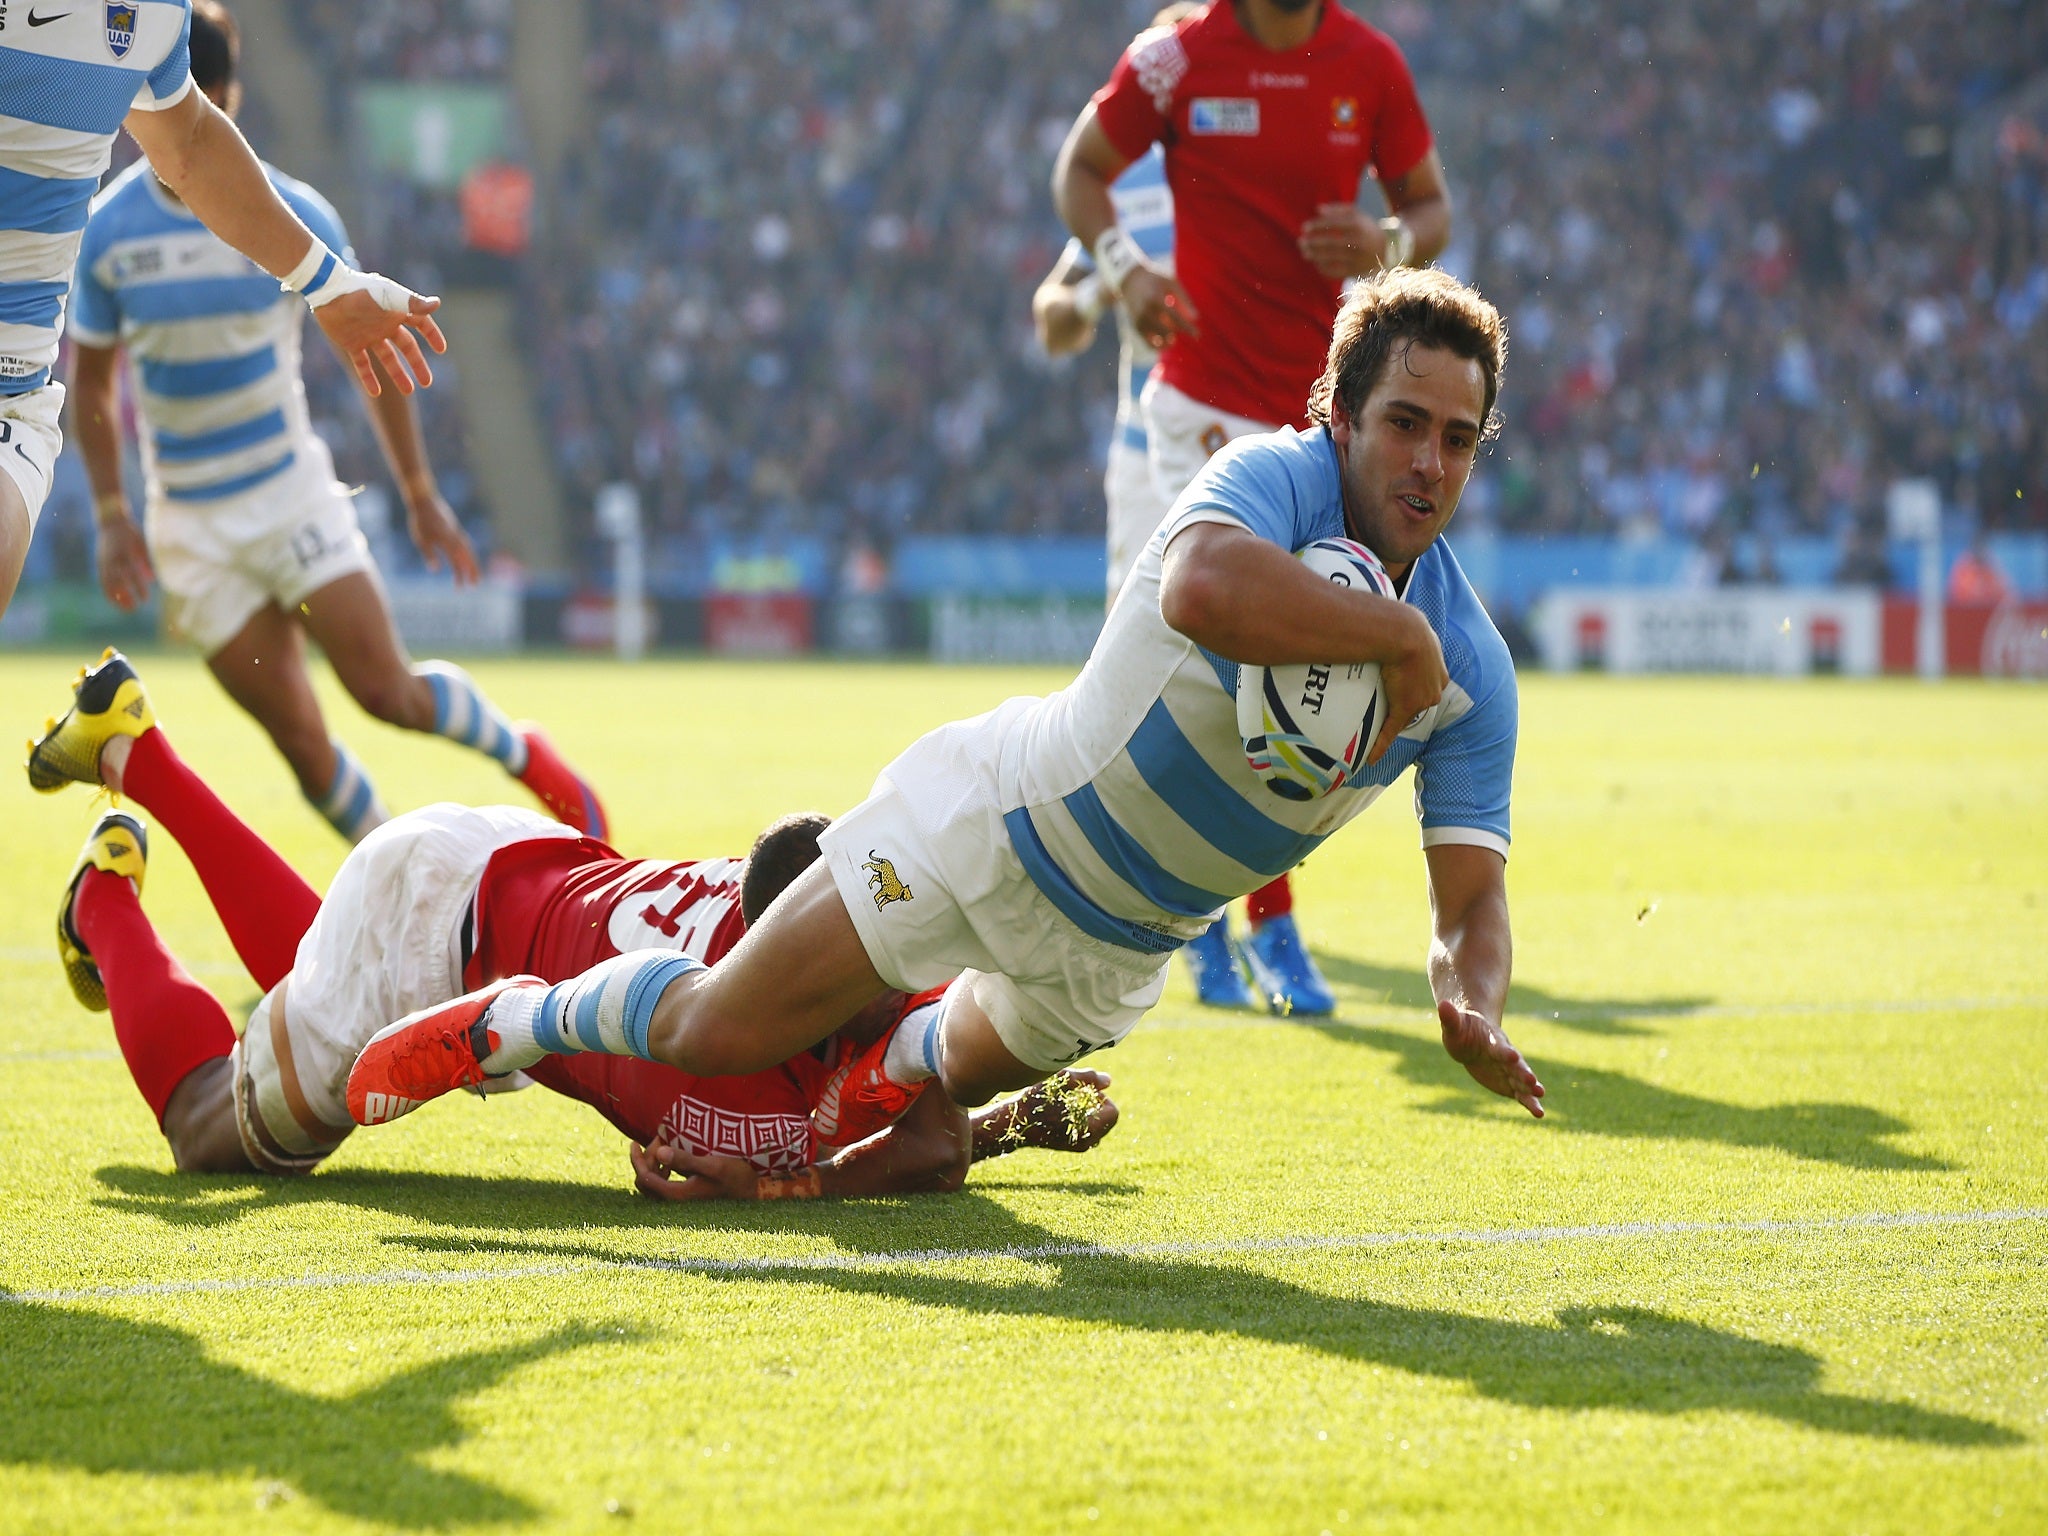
120	27
882	876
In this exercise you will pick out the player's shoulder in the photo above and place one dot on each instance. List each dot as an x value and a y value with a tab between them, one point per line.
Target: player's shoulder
302	196
1158	56
121	194
124	208
1351	30
1475	654
1282	483
1302	459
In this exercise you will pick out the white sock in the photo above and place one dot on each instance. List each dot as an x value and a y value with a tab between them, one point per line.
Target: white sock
609	1008
512	1018
913	1053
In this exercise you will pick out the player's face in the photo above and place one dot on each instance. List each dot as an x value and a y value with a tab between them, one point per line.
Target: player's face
1407	453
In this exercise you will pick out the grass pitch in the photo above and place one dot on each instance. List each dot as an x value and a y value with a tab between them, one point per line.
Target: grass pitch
1776	1261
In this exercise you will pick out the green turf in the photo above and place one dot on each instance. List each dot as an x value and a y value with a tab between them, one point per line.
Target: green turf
1781	960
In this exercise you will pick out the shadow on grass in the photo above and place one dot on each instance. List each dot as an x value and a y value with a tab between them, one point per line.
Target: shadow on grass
1592	1100
1630	1358
99	1393
1405	987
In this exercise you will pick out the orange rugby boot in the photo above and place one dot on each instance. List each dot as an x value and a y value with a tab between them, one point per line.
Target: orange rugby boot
426	1054
566	794
859	1099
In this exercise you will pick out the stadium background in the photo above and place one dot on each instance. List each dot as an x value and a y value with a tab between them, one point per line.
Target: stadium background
1771	285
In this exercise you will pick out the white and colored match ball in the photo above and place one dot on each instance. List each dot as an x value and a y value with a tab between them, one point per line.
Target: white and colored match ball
1306	729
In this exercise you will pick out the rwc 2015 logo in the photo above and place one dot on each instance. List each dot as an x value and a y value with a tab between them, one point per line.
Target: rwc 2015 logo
120	27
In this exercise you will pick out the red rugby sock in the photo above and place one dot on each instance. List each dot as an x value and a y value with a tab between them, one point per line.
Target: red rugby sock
1274	899
264	905
166	1023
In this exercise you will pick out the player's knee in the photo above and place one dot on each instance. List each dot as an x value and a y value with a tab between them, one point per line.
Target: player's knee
400	699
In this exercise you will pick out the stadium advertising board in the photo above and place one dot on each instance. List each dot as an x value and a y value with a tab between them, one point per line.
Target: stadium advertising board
2010	640
1785	630
985	629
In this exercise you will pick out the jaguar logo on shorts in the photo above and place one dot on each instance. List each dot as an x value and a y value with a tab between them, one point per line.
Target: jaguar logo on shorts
882	876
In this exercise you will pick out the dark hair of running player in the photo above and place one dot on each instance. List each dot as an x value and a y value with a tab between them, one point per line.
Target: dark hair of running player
216	52
784	850
1393	311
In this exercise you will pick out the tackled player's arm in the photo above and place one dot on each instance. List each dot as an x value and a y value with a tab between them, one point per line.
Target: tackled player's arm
94	402
1248	600
199	153
927	1151
1067	305
1471	955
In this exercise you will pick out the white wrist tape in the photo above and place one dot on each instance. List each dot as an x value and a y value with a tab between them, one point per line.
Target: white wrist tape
321	277
1400	243
1091	297
1117	256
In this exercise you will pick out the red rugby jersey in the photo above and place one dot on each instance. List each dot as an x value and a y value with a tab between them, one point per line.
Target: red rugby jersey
554	907
1255	141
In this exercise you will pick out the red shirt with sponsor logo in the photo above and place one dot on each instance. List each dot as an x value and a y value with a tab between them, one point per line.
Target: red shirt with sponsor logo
554	907
1255	141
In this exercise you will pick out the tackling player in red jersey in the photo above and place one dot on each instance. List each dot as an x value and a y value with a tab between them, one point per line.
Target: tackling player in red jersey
1271	113
441	899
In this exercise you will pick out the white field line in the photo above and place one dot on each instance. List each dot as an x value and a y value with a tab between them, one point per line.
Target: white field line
912	1258
1379	1012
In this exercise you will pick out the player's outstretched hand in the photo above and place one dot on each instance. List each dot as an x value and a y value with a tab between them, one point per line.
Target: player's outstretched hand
1483	1049
664	1171
1413	682
378	320
123	558
1158	306
438	536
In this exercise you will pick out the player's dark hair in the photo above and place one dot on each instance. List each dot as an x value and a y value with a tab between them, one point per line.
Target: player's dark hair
783	851
1406	307
216	45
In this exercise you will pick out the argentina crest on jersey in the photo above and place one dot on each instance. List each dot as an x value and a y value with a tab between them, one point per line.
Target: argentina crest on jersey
120	27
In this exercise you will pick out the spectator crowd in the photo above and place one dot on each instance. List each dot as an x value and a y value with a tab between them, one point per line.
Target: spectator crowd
1759	258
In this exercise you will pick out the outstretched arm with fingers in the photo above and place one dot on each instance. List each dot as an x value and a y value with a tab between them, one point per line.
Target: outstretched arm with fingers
1470	958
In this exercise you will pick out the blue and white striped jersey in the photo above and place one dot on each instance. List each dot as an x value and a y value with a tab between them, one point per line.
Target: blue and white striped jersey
1144	207
212	339
1127	795
70	71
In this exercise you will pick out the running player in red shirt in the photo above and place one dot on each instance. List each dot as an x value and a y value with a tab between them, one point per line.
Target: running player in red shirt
1271	112
445	898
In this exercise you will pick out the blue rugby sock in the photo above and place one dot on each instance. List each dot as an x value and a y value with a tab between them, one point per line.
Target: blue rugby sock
608	1008
350	805
463	714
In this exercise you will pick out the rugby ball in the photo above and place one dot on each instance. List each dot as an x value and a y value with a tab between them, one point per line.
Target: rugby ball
1306	729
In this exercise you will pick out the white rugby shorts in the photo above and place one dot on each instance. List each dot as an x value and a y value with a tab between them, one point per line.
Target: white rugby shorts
1181	433
30	441
386	942
219	562
926	870
1135	508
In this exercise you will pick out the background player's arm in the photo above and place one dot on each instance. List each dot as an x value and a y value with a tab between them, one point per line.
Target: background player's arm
1088	165
433	525
1067	305
1471	955
197	151
1343	240
95	405
1247	599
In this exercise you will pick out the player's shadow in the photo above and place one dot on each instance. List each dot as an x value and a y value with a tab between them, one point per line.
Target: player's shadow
1404	987
99	1393
467	1201
1598	1102
1630	1358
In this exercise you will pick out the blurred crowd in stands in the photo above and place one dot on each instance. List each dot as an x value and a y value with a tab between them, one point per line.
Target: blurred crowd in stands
1759	259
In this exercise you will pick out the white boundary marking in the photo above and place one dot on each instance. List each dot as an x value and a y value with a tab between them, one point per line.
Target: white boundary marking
929	1257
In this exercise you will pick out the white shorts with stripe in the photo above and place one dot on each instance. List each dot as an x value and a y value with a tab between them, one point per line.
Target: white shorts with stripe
935	890
219	562
386	942
30	441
